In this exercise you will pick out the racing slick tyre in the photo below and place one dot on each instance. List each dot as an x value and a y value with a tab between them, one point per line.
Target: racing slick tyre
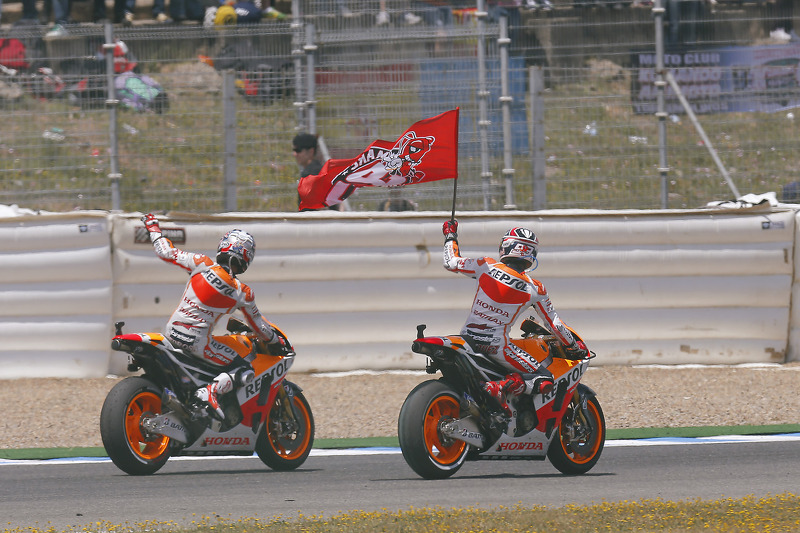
429	453
131	449
581	435
287	437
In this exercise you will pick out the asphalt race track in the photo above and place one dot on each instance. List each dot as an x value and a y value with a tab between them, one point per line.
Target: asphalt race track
74	493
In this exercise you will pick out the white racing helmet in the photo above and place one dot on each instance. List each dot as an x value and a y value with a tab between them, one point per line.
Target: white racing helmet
236	251
519	244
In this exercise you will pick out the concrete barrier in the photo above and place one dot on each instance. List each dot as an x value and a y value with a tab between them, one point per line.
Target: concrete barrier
668	287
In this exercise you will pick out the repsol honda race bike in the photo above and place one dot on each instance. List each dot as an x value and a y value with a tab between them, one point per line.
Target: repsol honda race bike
149	417
450	420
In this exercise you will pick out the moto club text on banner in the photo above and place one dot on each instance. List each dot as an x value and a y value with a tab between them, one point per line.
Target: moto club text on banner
427	151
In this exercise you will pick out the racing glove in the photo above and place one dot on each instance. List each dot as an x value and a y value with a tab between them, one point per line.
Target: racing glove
513	384
577	350
152	227
450	230
277	346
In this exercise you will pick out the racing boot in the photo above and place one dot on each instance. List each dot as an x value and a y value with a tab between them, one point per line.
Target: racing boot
497	390
209	394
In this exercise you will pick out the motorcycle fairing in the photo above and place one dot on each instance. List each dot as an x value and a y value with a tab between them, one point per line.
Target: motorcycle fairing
487	368
240	440
257	398
532	444
195	372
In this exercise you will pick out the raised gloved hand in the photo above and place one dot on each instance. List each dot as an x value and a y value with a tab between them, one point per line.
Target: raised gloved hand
450	230
577	350
152	227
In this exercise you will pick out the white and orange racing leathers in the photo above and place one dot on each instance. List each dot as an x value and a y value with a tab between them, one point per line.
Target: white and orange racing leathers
210	294
503	295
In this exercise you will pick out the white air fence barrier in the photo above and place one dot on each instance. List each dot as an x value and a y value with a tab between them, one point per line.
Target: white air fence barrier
667	287
55	299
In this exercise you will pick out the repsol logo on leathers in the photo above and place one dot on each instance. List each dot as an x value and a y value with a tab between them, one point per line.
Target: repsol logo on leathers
215	281
508	279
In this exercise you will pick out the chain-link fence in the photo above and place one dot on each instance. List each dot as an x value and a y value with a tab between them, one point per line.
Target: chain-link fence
563	113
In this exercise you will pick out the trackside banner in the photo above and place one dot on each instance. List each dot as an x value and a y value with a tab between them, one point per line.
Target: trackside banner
721	80
427	151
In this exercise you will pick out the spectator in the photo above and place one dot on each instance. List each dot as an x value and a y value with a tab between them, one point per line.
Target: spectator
383	18
61	15
780	15
61	10
181	10
124	11
684	17
99	15
305	147
434	13
396	202
510	9
341	7
545	5
791	193
30	15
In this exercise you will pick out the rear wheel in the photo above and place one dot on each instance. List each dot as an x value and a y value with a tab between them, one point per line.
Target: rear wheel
581	436
285	441
429	453
133	450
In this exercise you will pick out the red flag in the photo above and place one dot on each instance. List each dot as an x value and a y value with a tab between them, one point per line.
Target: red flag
427	151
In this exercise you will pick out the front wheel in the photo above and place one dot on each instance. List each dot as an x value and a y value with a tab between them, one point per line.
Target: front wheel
429	453
581	435
288	434
133	450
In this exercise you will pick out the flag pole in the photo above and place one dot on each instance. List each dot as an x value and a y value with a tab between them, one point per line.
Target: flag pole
453	212
455	180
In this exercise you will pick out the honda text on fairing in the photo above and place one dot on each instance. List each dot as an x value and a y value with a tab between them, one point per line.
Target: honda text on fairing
149	417
450	420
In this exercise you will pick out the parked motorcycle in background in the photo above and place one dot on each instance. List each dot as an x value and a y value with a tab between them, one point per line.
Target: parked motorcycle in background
149	417
450	420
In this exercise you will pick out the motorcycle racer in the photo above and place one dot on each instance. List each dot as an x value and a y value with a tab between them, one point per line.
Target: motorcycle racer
212	292
505	291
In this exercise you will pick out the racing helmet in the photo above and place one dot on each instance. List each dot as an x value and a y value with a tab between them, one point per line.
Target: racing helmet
519	245
236	250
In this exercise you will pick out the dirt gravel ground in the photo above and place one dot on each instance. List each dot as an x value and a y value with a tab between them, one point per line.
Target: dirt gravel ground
43	413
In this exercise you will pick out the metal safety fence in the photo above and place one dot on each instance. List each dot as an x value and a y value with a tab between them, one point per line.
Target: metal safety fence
562	106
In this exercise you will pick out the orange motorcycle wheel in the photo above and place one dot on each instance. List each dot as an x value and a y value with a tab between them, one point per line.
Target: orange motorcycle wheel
286	440
429	453
581	435
132	450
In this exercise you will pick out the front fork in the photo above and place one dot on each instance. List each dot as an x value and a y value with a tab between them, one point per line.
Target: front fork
579	425
289	418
